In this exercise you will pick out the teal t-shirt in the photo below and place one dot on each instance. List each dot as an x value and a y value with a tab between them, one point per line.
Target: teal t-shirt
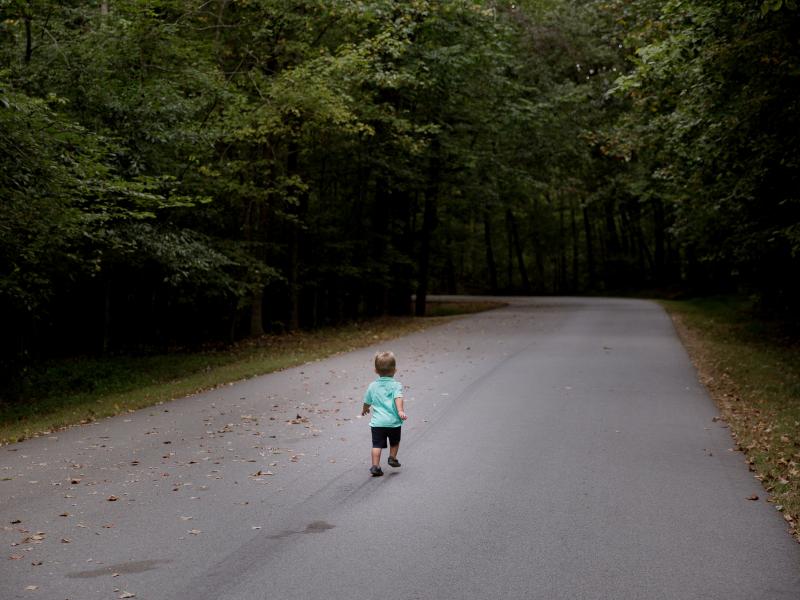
380	396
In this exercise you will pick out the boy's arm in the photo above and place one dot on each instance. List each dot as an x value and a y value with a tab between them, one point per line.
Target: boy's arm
399	403
367	402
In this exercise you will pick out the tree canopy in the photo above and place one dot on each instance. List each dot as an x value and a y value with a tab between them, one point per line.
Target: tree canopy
175	172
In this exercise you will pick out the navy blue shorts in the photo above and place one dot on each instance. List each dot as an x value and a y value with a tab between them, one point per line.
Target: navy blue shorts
380	434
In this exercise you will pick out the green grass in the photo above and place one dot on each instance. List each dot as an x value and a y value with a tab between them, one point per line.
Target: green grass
80	390
751	367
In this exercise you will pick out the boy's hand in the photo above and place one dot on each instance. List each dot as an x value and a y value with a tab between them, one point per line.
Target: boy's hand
403	416
364	410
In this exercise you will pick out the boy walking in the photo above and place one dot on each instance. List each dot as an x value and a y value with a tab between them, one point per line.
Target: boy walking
385	396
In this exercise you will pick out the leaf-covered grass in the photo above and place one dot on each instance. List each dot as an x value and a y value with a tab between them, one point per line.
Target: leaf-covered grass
751	367
81	390
447	308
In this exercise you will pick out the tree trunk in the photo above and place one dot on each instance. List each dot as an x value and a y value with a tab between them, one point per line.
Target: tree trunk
575	260
256	313
428	224
295	239
28	36
378	238
658	238
293	277
538	250
587	227
612	236
401	290
523	271
562	247
450	270
491	266
219	27
255	226
611	247
510	256
104	8
106	342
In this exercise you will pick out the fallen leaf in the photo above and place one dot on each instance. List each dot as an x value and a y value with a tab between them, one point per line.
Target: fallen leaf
127	595
112	498
32	588
15	557
754	497
194	532
66	541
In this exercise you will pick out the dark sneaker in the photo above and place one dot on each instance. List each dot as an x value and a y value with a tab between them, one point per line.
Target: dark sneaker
376	471
393	462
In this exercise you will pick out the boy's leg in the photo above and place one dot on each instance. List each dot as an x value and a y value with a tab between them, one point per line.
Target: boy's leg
375	469
378	442
394	441
393	462
394	446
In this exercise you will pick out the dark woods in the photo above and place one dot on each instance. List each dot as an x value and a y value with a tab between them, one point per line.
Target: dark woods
177	172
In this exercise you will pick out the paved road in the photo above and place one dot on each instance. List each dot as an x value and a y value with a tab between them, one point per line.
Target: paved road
555	449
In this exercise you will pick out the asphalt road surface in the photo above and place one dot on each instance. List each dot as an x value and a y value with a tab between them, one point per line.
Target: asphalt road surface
555	449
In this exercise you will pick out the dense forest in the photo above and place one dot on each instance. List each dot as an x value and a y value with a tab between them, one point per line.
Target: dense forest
180	171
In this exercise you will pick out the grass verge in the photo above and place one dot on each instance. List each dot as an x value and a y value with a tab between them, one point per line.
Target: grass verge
448	309
82	390
751	368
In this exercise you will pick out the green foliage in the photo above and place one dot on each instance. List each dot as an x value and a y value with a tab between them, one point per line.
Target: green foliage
177	171
714	85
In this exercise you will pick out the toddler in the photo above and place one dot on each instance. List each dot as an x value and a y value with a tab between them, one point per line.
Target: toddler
385	396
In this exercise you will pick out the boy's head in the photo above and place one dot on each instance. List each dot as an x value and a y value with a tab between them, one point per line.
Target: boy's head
385	364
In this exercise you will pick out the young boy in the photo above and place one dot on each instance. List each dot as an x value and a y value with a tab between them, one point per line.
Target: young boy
385	396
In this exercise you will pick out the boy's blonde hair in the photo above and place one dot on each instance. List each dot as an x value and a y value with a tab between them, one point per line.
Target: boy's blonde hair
385	363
